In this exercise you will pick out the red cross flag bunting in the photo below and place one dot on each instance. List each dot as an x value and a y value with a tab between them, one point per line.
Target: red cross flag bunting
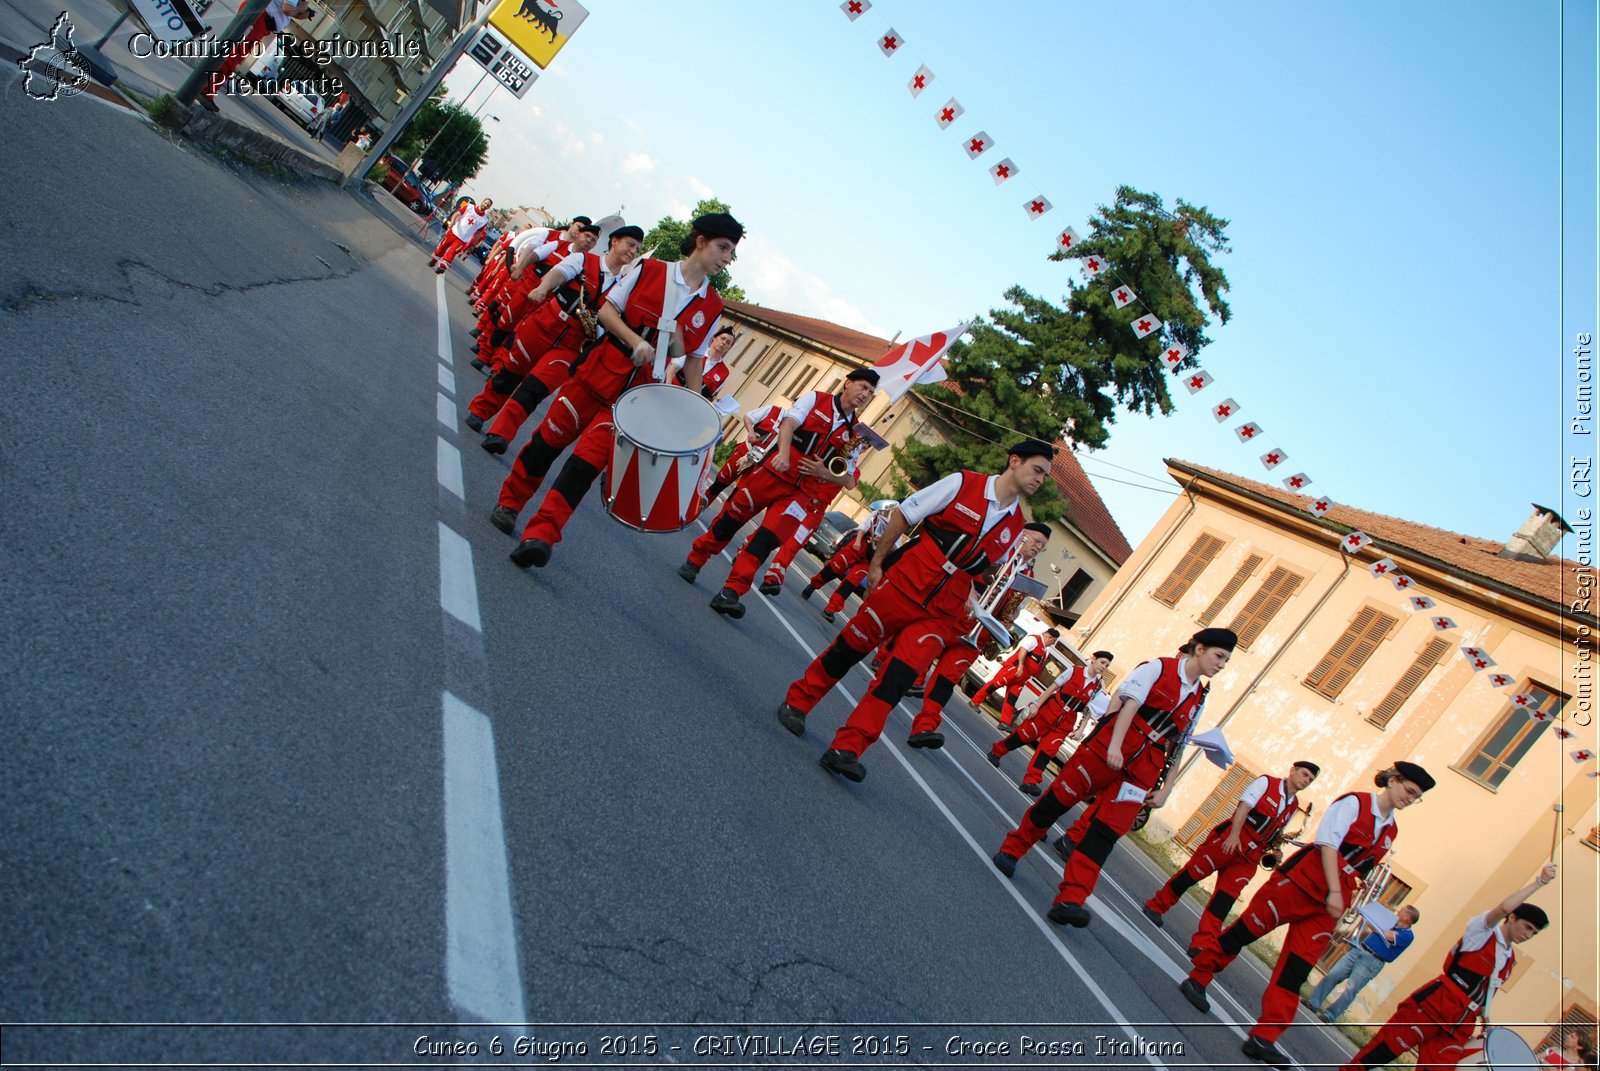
1036	207
1538	715
1069	238
1382	568
1298	482
1247	432
1592	774
1224	409
890	42
919	81
854	9
1145	326
977	145
1320	507
1093	265
1583	754
1199	381
1273	458
1123	296
951	111
1174	355
1422	602
1002	171
1563	733
1523	699
1443	624
1400	581
1477	658
1353	542
1498	680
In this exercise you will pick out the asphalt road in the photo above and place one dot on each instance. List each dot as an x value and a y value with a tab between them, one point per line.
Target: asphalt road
290	740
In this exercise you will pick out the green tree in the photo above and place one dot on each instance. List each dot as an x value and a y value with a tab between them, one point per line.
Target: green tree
458	146
1048	371
667	236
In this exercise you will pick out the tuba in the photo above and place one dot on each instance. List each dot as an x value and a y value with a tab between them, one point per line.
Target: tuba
1272	858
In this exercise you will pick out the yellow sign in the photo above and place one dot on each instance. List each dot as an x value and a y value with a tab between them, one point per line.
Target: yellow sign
538	28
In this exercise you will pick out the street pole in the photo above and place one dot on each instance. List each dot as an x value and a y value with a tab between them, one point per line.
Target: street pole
457	48
249	12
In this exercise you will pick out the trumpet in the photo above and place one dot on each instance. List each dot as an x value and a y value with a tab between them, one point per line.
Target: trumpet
1272	858
993	599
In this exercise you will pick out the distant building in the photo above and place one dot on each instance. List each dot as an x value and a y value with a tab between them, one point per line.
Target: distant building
781	355
1333	666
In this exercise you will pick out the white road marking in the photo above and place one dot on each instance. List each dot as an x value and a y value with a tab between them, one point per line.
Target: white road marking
444	323
449	466
447	379
445	410
480	936
458	592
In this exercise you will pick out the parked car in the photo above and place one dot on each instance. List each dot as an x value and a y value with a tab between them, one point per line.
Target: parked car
403	183
834	526
480	252
303	107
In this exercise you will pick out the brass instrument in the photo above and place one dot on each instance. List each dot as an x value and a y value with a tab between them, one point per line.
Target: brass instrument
1272	858
586	319
838	461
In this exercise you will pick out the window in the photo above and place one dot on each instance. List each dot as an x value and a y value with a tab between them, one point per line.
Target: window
1188	570
1593	839
1072	589
1218	807
1350	652
1503	746
1576	1018
750	344
833	387
1263	606
806	375
777	369
1230	589
1430	655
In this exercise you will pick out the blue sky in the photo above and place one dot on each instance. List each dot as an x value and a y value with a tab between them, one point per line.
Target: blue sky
1392	174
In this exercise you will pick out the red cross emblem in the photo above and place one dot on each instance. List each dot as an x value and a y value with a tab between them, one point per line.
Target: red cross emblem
1297	483
890	43
975	145
1402	582
1196	383
1122	295
1224	410
1353	541
920	82
1499	680
1144	325
948	115
1174	355
1066	240
1248	432
1441	622
1036	207
1003	171
1272	459
855	7
1094	263
1480	663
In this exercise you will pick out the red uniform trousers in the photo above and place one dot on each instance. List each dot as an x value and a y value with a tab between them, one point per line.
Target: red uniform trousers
1435	1021
952	666
548	356
852	584
758	489
575	408
1045	734
1009	682
449	247
1085	774
219	78
791	546
778	529
553	369
916	640
1233	870
849	566
1280	902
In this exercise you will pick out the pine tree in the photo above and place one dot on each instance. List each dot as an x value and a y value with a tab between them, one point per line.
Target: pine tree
667	236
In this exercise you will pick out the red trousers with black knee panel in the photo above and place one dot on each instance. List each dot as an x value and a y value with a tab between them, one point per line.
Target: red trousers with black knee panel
575	408
791	546
758	489
953	664
1046	735
1434	1022
589	459
1233	870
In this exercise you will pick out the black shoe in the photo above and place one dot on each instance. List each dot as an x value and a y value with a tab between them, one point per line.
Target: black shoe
1195	994
727	602
994	760
1192	951
769	588
843	763
493	444
792	719
807	591
535	552
475	332
1265	1051
1069	915
504	518
1029	789
480	366
1154	916
1064	846
1006	864
689	570
474	421
929	739
828	615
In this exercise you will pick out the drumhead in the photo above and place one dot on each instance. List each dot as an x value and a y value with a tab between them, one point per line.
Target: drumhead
667	419
1503	1047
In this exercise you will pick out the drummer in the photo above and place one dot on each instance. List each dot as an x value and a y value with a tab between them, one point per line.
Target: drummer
581	409
1440	1019
919	599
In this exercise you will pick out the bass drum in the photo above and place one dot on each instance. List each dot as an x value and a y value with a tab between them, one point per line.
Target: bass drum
1500	1049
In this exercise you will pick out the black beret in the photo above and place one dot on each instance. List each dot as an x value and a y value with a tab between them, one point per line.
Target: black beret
719	225
723	330
1107	655
1311	766
1032	448
589	228
1531	913
1037	526
1415	774
863	375
630	231
1216	637
580	219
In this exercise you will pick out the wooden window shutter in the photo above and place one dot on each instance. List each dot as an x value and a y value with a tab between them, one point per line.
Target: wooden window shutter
1230	589
1188	569
1264	605
1350	652
1408	683
1218	806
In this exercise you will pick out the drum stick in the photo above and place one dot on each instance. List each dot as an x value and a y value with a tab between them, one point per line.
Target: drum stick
1555	834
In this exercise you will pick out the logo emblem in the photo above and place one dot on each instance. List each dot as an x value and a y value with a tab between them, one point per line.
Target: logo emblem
698	320
55	68
1005	537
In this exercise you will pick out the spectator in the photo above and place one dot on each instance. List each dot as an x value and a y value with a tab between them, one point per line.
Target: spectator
1361	965
1577	1050
319	125
362	137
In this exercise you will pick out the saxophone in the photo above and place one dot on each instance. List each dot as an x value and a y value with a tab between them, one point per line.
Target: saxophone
1272	858
839	460
586	318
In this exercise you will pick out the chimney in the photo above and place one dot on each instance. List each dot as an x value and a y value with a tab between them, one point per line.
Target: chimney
1538	537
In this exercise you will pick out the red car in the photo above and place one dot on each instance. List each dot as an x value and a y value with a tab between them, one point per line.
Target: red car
396	177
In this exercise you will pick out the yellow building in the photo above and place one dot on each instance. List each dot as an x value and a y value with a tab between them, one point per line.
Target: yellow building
1333	666
779	356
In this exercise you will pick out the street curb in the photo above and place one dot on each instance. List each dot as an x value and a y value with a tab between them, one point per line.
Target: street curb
208	128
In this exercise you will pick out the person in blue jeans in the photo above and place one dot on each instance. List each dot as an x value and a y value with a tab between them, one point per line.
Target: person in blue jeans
1361	965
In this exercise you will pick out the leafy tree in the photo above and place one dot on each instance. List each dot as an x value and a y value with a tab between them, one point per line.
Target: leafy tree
452	137
1048	371
667	236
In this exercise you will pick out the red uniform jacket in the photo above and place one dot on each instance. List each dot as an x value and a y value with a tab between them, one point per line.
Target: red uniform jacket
939	567
1362	849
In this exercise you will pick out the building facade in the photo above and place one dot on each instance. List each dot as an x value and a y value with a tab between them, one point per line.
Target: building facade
1333	666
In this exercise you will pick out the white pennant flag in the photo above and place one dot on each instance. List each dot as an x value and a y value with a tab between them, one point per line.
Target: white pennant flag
1247	432
854	9
1198	381
1094	265
1401	581
1524	700
1563	733
1273	458
1421	602
1353	542
1383	568
1068	239
1320	507
890	42
977	145
1299	482
1477	658
1002	171
1145	326
921	360
1499	680
1036	207
1441	624
1174	355
948	114
1583	754
919	81
1123	296
1224	409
